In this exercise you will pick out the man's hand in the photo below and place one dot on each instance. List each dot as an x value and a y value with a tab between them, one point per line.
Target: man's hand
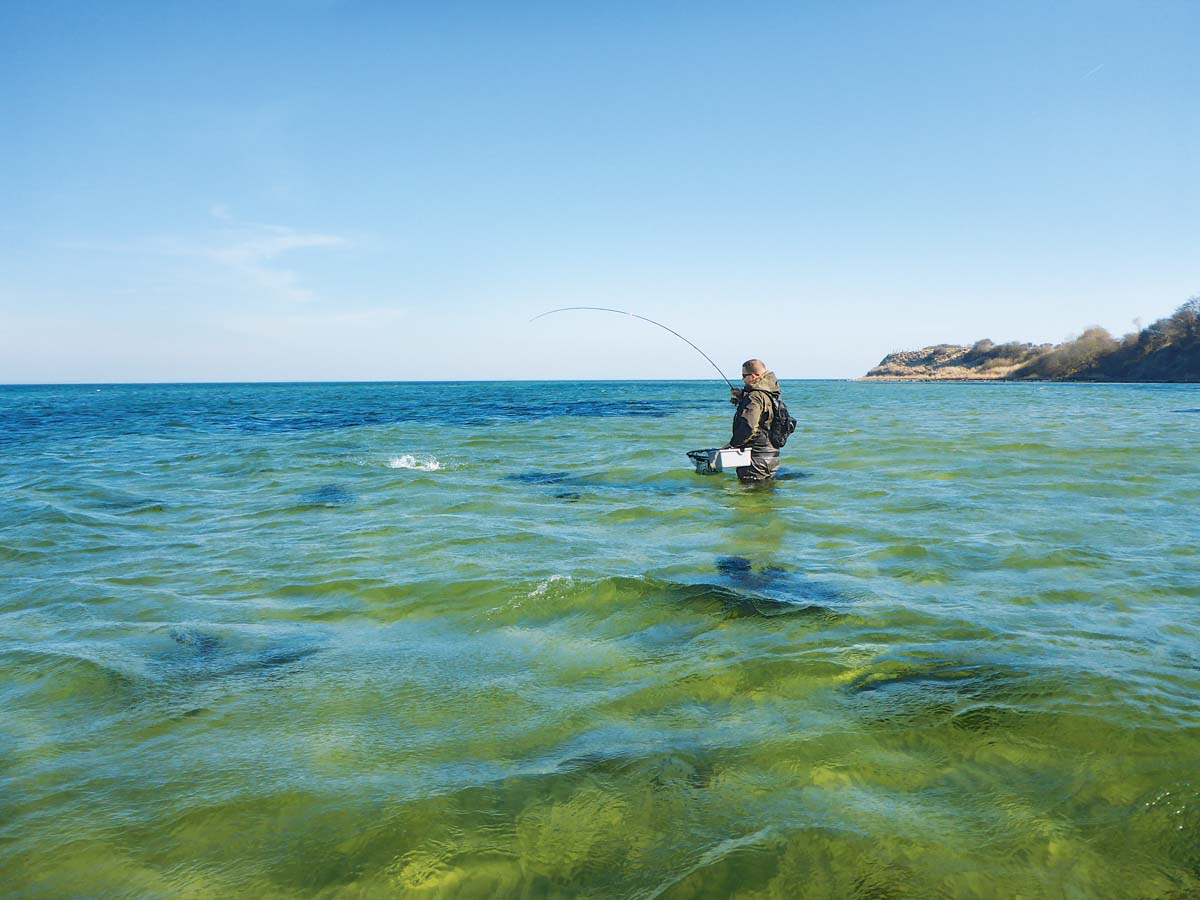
737	395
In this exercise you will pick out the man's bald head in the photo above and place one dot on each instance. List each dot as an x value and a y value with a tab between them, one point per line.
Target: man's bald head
753	367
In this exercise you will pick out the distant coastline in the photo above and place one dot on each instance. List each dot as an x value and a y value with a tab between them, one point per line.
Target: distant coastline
1166	351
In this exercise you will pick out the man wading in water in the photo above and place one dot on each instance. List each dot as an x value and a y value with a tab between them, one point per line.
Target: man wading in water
755	410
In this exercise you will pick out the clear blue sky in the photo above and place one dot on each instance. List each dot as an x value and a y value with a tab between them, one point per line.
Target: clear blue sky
372	190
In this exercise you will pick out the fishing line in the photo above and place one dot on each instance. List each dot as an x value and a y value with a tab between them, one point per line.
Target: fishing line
644	319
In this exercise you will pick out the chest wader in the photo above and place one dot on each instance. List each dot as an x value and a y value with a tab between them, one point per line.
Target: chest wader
764	460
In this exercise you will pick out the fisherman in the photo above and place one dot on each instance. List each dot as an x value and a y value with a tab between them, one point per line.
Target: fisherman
755	409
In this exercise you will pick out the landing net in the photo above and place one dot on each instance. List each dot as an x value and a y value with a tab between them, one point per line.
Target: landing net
702	459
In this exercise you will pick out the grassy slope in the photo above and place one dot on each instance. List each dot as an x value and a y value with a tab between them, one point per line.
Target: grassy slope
1168	350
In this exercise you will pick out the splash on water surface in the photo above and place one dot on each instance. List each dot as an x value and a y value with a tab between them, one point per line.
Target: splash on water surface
420	462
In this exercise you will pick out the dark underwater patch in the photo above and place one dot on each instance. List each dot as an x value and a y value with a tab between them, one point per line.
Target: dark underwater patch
1186	410
736	604
734	566
329	495
705	597
314	421
467	410
537	477
279	656
205	654
199	641
792	476
587	409
594	483
793	587
133	506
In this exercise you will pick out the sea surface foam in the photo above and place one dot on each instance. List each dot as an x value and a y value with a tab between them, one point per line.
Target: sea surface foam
424	462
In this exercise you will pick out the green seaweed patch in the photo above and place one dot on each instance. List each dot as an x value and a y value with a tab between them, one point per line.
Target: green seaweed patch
812	863
563	839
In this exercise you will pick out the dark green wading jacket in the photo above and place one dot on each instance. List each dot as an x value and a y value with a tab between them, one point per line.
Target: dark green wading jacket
754	413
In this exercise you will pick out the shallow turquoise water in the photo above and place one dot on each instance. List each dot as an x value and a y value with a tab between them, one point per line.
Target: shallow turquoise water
477	640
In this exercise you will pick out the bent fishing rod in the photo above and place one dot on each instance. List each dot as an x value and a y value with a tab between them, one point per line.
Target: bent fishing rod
644	319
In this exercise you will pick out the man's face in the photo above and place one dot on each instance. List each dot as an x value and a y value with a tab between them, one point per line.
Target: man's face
749	377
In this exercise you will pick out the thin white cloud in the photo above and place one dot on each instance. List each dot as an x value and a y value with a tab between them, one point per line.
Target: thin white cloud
1092	72
249	251
258	244
252	250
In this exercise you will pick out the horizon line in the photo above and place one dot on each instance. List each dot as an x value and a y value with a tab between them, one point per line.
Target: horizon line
383	381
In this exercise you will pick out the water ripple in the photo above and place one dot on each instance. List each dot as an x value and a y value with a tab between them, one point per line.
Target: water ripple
500	640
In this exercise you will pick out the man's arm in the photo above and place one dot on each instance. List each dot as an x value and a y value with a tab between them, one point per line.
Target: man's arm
746	422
